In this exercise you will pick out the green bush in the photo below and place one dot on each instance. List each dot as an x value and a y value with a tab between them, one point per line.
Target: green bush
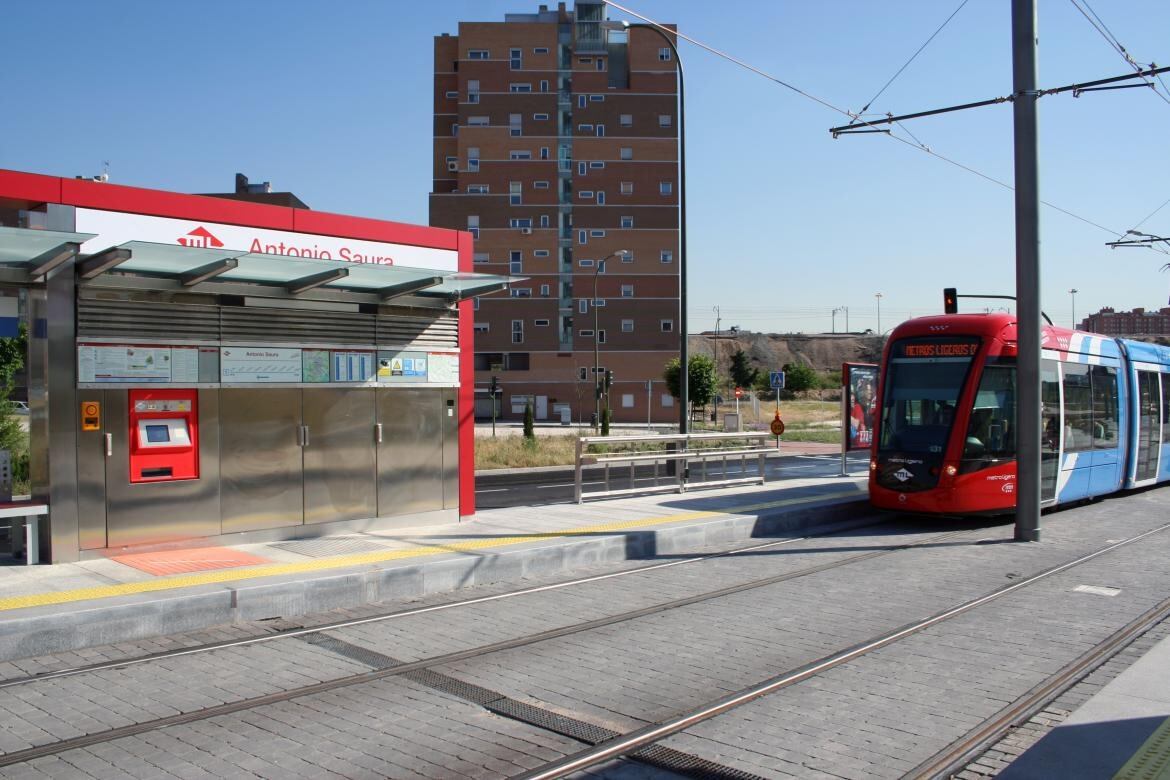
529	423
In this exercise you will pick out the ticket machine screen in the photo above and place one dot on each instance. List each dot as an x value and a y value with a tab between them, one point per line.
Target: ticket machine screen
163	435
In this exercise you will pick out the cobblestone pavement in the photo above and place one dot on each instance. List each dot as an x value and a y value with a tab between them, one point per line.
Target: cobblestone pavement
877	716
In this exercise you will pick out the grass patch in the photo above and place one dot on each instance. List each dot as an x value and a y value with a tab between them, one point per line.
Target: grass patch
515	452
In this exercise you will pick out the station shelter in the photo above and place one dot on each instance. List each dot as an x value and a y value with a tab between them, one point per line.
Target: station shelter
210	370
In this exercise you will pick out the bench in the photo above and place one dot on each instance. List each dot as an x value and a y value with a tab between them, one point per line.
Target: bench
27	514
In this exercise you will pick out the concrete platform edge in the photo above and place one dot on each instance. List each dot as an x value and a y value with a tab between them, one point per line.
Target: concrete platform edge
66	627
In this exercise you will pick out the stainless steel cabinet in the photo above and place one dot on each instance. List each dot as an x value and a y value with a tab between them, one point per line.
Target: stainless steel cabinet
338	438
260	459
410	455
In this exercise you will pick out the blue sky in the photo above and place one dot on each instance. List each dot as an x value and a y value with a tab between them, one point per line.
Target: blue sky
333	102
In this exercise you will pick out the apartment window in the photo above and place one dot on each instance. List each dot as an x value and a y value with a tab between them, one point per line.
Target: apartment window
540	50
521	292
519	87
540	252
585	194
479	258
666	326
627	153
515	60
626	120
582	236
627	188
582	168
473	225
585	128
665	188
664	54
517	331
667	400
544	152
473	158
475	304
582	373
601	131
515	262
597	98
519	154
472	91
583	308
597	234
543	294
581	101
540	323
600	63
520	222
477	189
514	188
540	117
455	128
627	326
585	263
544	220
600	198
627	256
627	222
544	85
601	336
477	121
514	123
585	60
481	327
453	93
666	256
540	185
596	164
664	120
478	54
585	334
627	291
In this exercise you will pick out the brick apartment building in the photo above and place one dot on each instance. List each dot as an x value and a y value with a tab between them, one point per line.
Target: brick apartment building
556	145
1138	322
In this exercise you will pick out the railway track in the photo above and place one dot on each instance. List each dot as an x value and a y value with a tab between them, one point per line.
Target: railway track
607	744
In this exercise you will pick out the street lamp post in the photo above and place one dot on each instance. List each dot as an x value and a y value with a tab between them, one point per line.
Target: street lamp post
1073	292
596	339
878	296
684	417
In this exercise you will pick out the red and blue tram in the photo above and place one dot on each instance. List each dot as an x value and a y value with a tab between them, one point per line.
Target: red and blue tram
945	439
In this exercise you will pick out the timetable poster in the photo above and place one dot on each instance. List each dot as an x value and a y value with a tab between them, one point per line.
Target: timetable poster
259	364
352	366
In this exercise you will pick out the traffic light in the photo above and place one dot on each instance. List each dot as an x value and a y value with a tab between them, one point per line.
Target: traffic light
608	380
950	300
495	386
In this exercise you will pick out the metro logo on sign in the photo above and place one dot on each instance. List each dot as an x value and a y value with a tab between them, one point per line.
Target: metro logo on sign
202	238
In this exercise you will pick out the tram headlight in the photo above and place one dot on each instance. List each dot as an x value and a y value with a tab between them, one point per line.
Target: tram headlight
951	470
873	464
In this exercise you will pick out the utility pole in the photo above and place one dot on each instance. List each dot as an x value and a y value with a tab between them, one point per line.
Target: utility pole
1027	197
718	319
1073	292
878	296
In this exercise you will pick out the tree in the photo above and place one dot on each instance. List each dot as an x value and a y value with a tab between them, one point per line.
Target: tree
741	373
529	423
12	435
700	379
799	377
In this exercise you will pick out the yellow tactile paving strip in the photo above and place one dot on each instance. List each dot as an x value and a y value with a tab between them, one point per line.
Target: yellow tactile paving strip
1152	760
359	559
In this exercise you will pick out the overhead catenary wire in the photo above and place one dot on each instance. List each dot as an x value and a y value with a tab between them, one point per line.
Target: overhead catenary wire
1099	25
856	116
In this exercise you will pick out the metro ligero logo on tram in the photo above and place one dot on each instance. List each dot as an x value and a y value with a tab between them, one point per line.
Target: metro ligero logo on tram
201	238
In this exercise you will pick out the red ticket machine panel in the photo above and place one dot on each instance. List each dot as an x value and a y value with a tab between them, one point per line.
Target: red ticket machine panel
164	435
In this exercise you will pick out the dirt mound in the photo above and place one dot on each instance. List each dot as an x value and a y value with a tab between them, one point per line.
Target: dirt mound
771	351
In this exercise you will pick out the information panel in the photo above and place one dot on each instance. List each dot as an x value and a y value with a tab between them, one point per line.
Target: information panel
260	364
402	366
860	385
315	365
185	364
122	363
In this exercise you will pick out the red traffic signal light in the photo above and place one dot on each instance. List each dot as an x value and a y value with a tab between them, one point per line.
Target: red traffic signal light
950	300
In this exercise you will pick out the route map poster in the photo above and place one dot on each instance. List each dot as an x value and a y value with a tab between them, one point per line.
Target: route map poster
260	364
860	383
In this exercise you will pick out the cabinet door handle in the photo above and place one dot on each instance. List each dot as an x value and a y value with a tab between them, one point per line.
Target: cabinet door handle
109	445
304	436
378	432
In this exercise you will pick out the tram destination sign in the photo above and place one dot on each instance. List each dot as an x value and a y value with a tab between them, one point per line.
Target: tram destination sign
937	349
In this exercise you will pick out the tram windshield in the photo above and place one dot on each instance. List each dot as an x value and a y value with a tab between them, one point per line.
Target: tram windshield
924	379
991	431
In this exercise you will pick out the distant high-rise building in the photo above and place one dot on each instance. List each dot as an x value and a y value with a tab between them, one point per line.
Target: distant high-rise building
1138	322
556	145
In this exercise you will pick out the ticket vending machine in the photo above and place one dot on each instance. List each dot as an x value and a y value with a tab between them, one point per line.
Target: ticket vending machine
164	435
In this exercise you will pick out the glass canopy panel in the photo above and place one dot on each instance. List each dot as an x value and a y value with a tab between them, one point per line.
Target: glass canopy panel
368	276
466	284
18	246
147	257
278	269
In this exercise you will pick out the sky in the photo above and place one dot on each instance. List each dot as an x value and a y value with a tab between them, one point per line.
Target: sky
332	101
